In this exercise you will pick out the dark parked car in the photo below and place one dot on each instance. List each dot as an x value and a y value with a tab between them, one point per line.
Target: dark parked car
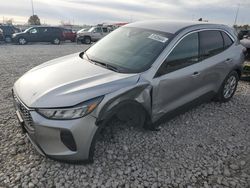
39	34
1	35
243	33
69	34
8	30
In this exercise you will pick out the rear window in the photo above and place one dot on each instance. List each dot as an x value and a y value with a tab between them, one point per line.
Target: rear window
211	43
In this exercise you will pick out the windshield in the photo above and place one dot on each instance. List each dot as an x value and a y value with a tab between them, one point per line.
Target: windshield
26	30
91	29
82	30
132	50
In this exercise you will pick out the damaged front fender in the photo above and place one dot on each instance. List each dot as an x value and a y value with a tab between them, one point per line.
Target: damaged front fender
140	95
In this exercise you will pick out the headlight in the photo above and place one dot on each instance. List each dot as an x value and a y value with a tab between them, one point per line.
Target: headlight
74	112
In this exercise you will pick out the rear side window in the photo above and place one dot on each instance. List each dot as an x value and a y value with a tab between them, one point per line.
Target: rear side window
227	40
184	54
211	43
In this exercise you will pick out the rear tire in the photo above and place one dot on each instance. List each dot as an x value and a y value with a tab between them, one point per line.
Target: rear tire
228	87
56	41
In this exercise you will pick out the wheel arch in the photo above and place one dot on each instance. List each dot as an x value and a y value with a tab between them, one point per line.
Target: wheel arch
23	38
238	70
87	36
139	97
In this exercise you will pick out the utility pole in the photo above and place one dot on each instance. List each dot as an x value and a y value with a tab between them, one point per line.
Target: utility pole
32	6
236	15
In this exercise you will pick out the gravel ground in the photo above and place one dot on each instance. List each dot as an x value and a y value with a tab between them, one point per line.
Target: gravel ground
208	146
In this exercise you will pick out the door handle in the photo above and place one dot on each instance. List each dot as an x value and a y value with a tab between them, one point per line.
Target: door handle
228	60
195	74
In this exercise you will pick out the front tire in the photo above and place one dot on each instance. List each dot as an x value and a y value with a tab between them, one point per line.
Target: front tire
22	41
87	40
228	87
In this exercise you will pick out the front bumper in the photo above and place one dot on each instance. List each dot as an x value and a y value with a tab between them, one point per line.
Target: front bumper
14	39
80	38
67	140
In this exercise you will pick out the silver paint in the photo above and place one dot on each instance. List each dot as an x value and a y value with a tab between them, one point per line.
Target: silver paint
70	80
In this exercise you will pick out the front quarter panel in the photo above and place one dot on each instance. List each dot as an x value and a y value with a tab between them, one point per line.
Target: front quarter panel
139	93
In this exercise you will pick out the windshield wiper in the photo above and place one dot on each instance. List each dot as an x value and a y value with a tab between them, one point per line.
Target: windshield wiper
107	66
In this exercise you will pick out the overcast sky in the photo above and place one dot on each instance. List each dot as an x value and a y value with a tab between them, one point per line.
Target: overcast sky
99	11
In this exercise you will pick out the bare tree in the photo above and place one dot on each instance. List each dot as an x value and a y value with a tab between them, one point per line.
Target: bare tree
34	20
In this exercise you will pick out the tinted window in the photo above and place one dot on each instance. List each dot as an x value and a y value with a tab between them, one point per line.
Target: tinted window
33	31
105	30
55	30
227	40
43	29
184	54
211	43
98	30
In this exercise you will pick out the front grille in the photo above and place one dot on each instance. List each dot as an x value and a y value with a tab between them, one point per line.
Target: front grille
24	111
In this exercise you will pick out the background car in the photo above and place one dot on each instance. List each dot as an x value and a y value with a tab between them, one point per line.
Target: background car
39	34
83	30
69	34
8	30
243	33
93	34
1	35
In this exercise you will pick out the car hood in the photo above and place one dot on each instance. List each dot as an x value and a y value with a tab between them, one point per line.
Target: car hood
19	34
84	33
67	81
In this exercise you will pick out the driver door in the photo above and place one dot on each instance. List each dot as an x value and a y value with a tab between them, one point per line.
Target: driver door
34	35
177	80
97	33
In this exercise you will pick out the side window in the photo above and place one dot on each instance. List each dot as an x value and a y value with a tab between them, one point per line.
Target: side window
98	30
105	29
227	40
43	29
184	54
211	43
33	31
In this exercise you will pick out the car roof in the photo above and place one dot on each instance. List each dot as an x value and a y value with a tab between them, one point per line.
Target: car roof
40	26
169	26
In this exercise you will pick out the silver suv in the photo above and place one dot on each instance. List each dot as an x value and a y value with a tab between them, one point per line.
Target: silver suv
138	73
93	34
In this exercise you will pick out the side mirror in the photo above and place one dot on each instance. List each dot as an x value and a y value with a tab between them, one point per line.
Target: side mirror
81	54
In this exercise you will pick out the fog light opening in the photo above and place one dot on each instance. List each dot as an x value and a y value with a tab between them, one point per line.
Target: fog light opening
68	139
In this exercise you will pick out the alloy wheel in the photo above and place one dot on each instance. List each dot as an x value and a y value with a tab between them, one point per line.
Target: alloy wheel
22	41
229	87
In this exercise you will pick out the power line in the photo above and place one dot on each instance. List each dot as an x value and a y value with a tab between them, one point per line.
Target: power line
236	15
32	6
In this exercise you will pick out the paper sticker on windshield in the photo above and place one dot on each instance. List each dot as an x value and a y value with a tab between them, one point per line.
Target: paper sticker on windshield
158	38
